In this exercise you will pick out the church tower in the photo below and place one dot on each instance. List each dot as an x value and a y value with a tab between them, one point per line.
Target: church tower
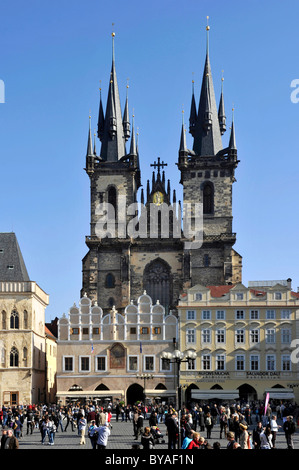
114	181
207	176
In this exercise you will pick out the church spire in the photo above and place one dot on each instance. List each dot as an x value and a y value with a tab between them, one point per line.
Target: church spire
113	139
207	136
183	145
101	119
133	149
232	140
193	112
221	111
126	120
89	152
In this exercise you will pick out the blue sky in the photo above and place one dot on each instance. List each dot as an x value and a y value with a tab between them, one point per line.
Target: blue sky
53	55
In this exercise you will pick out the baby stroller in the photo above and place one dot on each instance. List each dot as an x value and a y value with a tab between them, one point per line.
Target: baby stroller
157	435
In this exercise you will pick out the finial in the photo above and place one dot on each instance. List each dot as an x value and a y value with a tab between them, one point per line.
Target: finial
113	33
100	86
208	29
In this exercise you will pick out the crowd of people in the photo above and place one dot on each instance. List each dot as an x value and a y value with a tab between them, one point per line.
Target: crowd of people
244	426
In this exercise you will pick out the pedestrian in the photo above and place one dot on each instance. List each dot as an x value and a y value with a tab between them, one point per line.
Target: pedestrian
51	430
11	442
139	425
103	435
208	425
3	437
231	440
195	443
256	435
81	429
201	419
289	428
147	439
69	419
266	439
92	434
274	429
172	430
223	422
244	437
30	421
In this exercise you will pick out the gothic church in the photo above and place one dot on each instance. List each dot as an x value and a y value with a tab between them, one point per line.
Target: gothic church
118	267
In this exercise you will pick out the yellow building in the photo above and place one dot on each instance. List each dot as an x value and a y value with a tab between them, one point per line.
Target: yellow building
22	329
51	365
115	356
243	340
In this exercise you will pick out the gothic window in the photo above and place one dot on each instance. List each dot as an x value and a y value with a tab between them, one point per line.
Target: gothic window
14	357
112	199
110	281
3	320
25	356
157	282
14	320
208	198
25	319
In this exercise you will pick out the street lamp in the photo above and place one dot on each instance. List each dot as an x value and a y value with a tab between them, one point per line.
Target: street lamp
144	377
177	357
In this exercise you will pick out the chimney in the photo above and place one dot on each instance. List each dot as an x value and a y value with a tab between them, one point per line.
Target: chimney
289	283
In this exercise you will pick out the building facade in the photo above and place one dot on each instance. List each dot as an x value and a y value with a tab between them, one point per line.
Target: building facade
22	329
119	265
243	340
115	356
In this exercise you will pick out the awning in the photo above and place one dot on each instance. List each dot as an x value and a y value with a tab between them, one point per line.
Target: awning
90	393
281	393
220	394
150	393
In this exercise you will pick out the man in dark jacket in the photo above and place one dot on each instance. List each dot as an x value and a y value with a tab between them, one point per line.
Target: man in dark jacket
139	425
289	428
172	431
11	441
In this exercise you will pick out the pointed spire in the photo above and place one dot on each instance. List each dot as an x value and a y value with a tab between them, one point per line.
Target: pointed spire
133	150
193	112
232	140
207	136
142	196
113	140
221	111
89	141
126	120
94	145
183	145
101	119
168	189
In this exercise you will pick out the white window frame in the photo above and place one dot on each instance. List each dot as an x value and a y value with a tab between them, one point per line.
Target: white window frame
144	363
270	334
238	332
220	358
286	336
80	363
256	359
206	357
253	333
128	366
190	332
96	363
206	332
220	332
270	359
286	359
63	363
241	359
169	365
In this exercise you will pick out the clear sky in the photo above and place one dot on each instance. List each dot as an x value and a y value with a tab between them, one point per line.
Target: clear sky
53	55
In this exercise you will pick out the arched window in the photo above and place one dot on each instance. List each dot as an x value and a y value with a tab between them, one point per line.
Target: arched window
110	281
208	198
3	320
158	283
25	319
111	302
14	357
14	320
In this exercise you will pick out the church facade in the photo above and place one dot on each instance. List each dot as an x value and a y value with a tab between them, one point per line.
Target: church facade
130	249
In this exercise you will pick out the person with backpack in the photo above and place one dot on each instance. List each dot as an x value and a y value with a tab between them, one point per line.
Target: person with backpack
289	428
208	425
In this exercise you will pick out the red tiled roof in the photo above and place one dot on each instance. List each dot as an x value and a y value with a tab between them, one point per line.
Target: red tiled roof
295	294
219	291
49	333
257	292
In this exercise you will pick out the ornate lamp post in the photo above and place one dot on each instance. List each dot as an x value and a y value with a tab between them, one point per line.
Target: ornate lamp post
177	357
144	377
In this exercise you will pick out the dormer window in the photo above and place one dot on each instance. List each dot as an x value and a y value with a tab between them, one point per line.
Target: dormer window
277	295
239	296
10	266
198	296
